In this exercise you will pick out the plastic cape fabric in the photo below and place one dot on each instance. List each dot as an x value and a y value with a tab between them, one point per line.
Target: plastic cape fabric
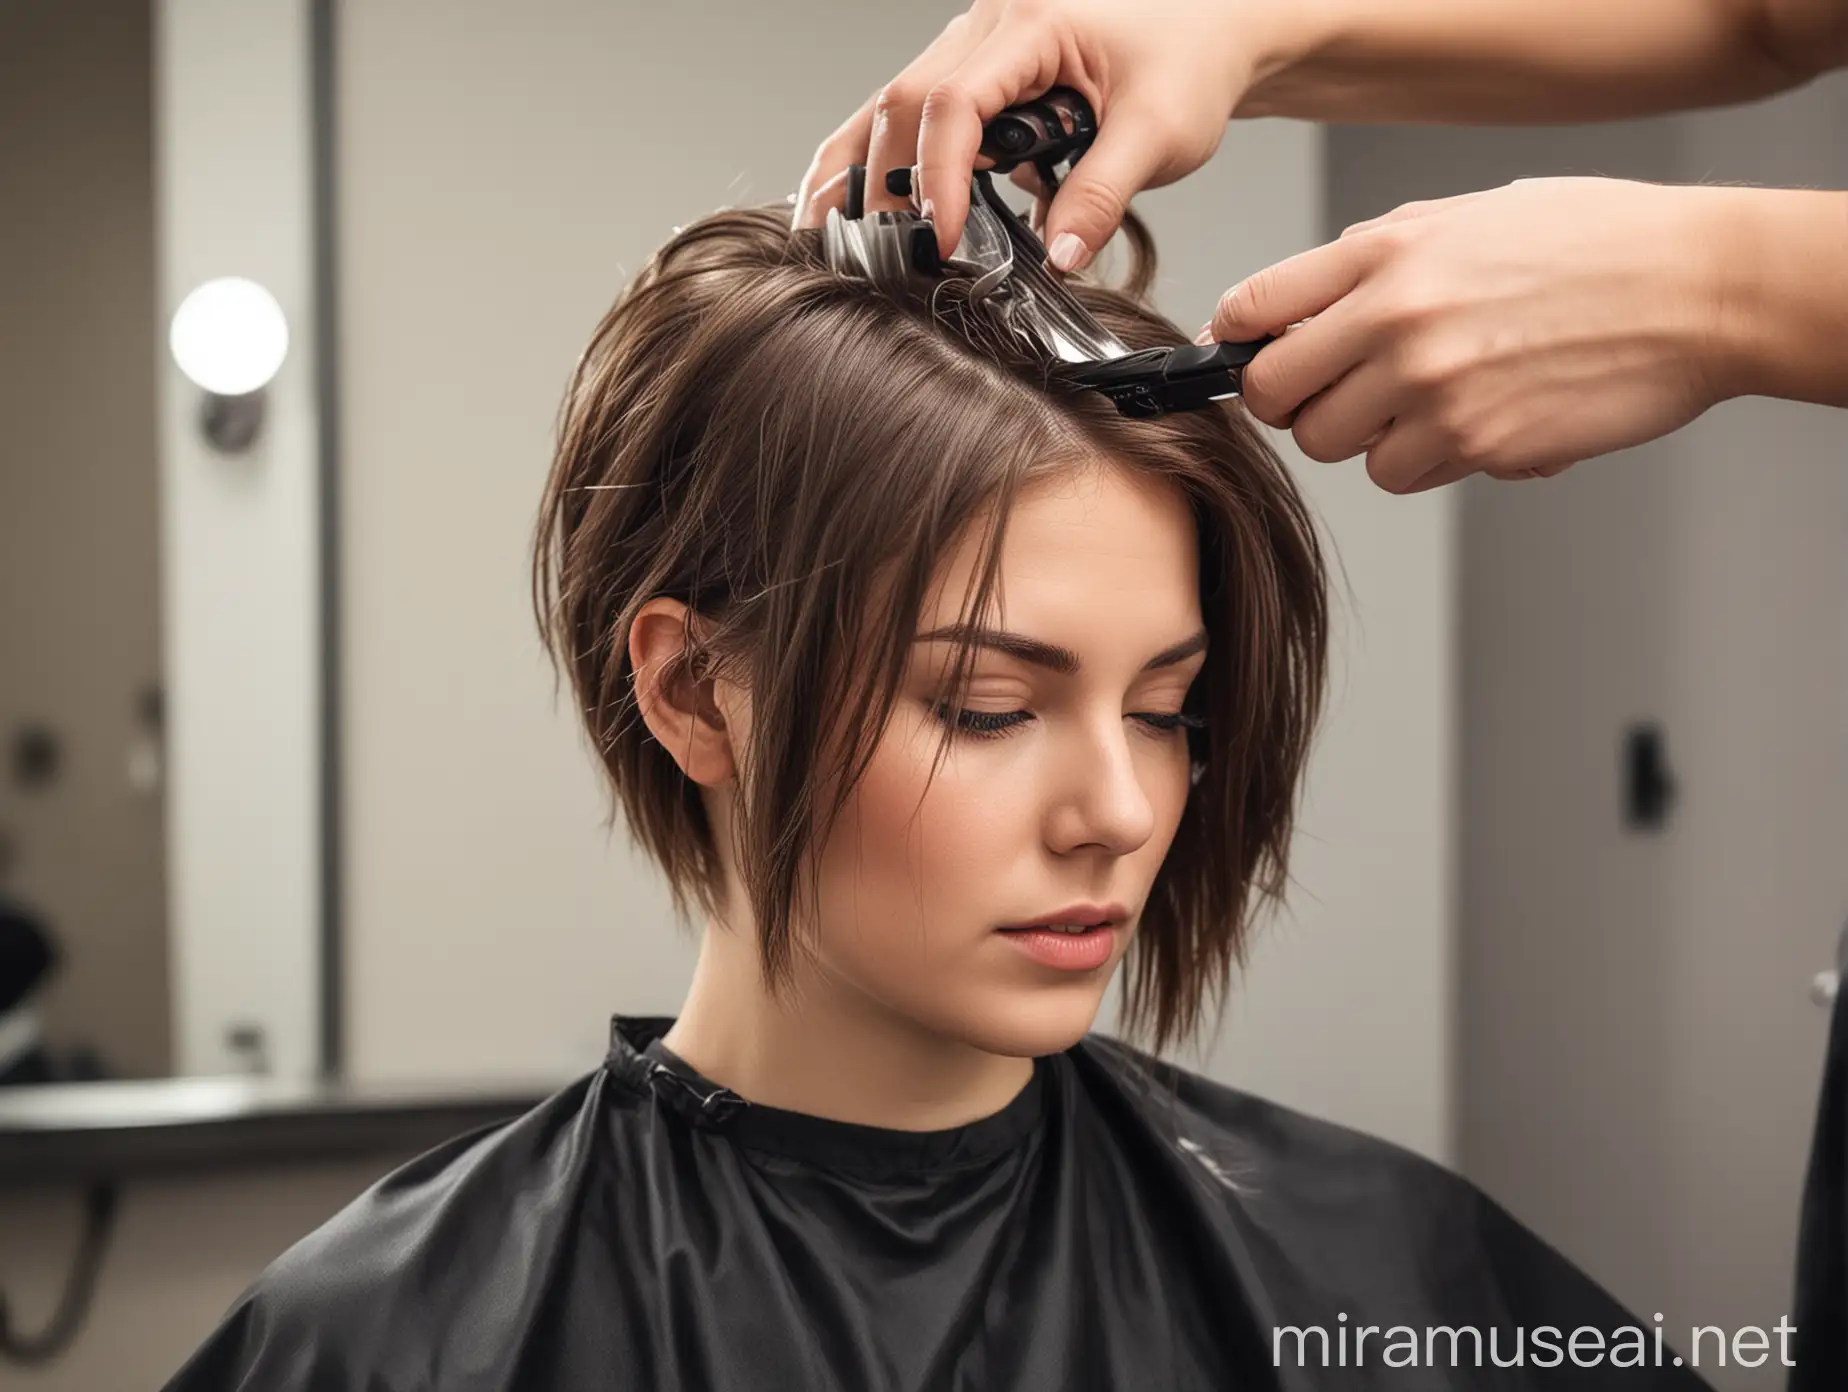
1820	1348
1115	1226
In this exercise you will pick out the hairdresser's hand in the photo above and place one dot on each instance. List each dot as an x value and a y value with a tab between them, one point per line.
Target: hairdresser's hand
1163	77
1512	332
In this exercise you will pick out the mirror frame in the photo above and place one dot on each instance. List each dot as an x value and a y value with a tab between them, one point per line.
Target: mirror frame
324	178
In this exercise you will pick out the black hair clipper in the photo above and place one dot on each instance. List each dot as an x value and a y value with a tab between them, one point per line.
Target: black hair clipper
1158	380
1056	127
999	247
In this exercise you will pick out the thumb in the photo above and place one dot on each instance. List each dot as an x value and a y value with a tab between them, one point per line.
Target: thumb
1090	204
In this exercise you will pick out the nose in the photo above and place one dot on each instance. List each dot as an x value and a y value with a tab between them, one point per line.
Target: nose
1099	798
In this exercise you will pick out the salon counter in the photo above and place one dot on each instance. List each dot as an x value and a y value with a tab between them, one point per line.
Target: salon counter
188	1126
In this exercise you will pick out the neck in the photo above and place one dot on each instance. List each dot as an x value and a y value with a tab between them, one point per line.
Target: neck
830	1051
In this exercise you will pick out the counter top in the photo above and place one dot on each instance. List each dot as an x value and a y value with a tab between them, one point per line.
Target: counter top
184	1126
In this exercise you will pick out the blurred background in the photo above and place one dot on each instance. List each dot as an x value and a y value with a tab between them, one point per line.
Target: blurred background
286	789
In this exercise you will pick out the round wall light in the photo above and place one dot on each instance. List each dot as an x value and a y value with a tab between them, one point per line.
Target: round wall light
229	337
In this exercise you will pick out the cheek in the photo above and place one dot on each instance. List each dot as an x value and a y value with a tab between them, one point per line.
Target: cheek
1169	791
910	871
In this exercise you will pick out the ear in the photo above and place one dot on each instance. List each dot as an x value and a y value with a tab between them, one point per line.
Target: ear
684	711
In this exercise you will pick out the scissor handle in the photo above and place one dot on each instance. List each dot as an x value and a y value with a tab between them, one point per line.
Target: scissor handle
1056	125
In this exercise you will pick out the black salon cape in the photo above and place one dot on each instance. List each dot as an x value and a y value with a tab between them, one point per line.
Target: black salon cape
1115	1226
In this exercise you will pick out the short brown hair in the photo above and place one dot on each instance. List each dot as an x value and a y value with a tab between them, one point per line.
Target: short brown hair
787	450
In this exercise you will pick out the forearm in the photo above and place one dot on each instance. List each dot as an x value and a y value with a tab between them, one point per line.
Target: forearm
1783	306
1530	61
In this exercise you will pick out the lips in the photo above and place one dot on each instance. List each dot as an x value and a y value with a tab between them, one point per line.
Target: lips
1067	948
1073	918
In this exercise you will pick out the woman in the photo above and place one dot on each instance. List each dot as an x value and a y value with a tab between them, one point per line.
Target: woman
942	690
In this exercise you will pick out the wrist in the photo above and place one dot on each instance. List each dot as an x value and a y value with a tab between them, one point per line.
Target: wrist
1781	293
1275	38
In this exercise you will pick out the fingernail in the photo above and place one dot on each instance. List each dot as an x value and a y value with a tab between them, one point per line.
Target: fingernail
1067	253
1205	336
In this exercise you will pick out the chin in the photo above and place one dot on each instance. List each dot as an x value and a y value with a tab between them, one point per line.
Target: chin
1029	1022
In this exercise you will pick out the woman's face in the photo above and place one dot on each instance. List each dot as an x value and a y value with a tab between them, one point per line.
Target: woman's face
1064	782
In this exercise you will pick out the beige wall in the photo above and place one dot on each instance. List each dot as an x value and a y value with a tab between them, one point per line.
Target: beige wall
500	178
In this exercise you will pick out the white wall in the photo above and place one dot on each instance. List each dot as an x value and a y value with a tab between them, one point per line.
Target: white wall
240	577
500	178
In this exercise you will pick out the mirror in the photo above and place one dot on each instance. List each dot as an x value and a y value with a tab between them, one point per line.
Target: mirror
162	753
84	983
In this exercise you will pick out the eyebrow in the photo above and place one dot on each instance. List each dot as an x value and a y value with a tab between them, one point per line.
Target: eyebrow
1050	655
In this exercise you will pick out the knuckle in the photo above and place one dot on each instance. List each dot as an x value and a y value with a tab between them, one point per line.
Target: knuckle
1384	475
1384	229
1428	366
1267	414
1401	229
896	97
1422	372
1315	439
1260	391
1250	297
1407	310
943	98
1447	434
1473	445
1380	242
1516	468
1310	442
1416	297
1099	204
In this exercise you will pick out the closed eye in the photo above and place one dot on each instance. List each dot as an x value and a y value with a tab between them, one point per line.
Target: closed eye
994	724
1178	720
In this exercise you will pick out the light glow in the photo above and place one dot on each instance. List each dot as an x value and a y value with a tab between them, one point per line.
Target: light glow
229	336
